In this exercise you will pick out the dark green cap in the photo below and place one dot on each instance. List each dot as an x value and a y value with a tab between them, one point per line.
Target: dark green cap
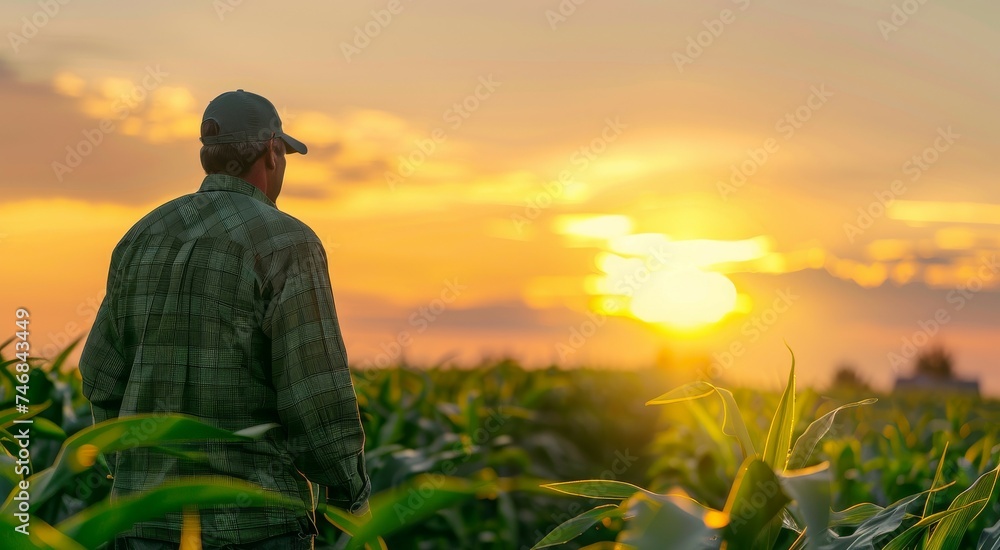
245	116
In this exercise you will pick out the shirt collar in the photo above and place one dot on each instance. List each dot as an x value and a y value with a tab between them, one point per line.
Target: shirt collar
222	182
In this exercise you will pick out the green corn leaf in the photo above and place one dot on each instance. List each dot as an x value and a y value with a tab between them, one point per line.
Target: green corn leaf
855	515
596	488
146	430
779	436
103	521
882	523
929	504
8	416
572	528
714	431
687	392
47	428
904	540
6	372
57	363
754	500
40	535
408	505
949	531
473	401
806	443
732	422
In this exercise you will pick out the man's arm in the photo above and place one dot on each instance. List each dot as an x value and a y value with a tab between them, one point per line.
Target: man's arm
315	395
102	366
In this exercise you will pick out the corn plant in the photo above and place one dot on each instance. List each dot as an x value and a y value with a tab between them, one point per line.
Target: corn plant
776	500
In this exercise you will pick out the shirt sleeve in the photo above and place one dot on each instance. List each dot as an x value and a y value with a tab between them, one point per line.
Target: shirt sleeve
102	364
315	395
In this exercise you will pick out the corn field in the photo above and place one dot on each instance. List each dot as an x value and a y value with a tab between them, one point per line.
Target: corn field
509	458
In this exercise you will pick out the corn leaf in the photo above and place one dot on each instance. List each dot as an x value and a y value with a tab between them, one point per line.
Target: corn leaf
572	528
412	503
687	392
596	488
116	435
929	504
855	515
949	531
8	416
779	436
100	523
904	540
806	443
882	523
40	535
754	500
732	422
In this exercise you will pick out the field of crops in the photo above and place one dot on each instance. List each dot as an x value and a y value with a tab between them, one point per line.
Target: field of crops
503	457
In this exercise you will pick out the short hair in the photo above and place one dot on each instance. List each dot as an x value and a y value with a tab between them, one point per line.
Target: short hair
233	159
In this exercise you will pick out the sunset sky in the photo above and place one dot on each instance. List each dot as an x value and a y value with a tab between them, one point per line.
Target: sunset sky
614	184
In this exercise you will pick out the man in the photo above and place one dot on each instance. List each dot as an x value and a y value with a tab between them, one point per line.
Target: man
219	306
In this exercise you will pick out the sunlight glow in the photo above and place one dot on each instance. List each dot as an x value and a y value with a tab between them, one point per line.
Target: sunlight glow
678	284
593	226
684	298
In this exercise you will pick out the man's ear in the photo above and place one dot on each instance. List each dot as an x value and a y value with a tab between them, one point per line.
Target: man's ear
271	156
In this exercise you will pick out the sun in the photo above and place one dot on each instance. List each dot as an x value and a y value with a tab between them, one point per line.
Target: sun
684	298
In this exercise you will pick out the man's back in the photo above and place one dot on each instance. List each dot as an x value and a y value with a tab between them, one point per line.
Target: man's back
219	306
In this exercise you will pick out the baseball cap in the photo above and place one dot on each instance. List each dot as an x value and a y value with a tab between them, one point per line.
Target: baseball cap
245	116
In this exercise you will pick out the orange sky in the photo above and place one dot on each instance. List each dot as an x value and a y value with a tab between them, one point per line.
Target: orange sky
493	178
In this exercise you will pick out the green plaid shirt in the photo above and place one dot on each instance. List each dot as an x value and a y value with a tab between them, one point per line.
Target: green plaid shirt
219	306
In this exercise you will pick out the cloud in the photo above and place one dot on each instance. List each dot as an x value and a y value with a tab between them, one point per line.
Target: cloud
143	107
133	139
50	128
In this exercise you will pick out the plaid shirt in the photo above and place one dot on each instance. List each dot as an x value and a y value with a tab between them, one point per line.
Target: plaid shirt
219	306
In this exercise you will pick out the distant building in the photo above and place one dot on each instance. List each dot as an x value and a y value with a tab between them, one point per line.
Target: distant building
925	383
